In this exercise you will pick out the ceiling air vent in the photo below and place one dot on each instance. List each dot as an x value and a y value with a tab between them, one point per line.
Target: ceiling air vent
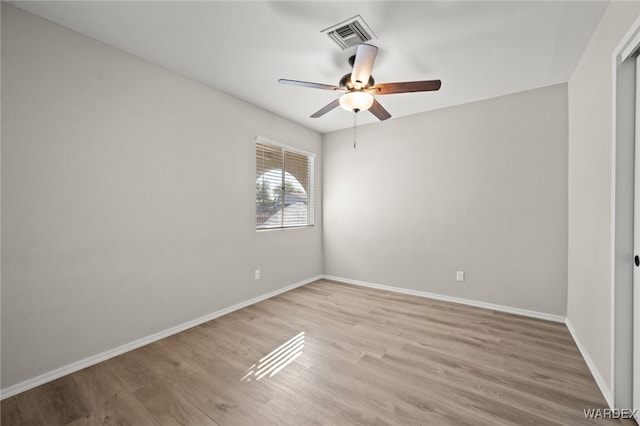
350	33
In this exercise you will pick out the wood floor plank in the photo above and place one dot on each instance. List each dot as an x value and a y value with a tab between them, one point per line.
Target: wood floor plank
124	410
89	420
329	353
11	414
165	365
98	384
29	409
168	407
131	370
61	402
219	399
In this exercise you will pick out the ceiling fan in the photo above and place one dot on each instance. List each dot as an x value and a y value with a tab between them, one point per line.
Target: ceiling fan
359	86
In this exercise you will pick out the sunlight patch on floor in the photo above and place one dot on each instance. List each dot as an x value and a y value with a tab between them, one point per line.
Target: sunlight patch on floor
276	360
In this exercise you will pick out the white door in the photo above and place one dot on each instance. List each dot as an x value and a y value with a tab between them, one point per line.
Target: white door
636	248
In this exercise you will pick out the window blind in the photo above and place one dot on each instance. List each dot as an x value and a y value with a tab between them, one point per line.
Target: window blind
284	186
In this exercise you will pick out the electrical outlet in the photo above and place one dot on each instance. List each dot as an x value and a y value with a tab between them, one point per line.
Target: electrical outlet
460	275
257	274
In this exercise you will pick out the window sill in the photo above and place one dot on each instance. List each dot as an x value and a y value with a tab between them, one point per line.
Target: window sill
283	228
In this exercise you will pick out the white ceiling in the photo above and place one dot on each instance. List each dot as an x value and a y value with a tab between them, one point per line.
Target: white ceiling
479	49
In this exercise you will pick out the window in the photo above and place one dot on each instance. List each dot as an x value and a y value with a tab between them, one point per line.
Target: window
284	186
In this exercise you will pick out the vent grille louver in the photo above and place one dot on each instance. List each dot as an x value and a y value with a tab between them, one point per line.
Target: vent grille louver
350	33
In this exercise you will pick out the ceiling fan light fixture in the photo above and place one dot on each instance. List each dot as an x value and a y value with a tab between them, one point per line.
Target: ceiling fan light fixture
360	101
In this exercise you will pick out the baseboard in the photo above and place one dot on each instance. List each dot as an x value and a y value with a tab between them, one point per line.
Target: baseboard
92	360
606	392
435	296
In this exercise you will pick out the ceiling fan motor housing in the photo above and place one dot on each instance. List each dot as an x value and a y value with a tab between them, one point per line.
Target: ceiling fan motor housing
346	82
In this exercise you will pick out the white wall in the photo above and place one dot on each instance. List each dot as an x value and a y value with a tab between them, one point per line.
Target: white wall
480	187
590	130
127	199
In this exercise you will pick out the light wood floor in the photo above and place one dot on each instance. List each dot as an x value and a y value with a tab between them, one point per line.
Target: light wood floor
330	353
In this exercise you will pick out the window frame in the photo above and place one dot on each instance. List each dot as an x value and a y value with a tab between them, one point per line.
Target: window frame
311	178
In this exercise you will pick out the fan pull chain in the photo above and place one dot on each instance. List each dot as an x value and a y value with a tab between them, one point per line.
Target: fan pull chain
355	123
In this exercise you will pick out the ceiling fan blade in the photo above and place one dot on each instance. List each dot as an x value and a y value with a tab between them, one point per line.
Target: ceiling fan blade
365	57
379	111
405	87
325	109
310	85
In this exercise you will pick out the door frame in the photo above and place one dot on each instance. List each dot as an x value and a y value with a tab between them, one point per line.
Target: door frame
635	360
622	199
